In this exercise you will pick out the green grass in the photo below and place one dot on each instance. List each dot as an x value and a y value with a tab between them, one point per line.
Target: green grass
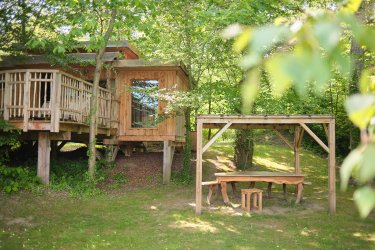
162	217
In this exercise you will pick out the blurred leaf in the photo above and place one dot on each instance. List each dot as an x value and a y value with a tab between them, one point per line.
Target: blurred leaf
320	72
352	161
279	79
360	109
364	198
266	37
367	170
342	62
250	89
328	34
367	37
232	31
242	41
352	5
250	60
365	82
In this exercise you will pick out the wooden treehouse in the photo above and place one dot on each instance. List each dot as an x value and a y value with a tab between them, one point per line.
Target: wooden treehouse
51	104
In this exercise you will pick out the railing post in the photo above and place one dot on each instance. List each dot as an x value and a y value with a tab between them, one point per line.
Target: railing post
55	102
26	101
6	97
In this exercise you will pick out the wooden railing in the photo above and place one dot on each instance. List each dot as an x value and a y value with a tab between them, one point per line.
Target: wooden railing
52	95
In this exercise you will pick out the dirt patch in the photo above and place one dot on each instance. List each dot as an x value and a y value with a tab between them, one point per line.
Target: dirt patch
142	169
19	221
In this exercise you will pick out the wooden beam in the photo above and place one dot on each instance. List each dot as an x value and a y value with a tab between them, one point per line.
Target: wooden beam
6	96
198	179
26	101
300	138
283	138
315	137
297	168
44	156
168	152
213	139
332	168
61	145
326	130
251	126
34	135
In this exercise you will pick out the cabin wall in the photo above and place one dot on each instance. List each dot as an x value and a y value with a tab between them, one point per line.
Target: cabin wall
165	130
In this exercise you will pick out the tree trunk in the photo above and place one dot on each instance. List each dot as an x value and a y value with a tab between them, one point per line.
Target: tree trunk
94	98
243	149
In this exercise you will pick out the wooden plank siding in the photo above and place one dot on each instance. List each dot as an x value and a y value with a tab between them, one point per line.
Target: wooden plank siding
169	129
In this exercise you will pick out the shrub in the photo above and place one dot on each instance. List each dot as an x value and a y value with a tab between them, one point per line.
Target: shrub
14	179
72	177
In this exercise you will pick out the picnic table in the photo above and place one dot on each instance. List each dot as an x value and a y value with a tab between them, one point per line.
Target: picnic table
265	176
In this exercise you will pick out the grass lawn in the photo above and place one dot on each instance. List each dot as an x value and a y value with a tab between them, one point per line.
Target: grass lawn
162	217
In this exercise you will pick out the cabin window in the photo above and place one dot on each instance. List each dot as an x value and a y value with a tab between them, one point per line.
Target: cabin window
144	103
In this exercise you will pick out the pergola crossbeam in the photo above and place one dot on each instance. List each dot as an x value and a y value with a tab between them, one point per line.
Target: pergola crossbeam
315	137
283	138
213	139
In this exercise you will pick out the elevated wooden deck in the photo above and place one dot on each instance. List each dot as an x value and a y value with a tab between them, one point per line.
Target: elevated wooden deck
53	101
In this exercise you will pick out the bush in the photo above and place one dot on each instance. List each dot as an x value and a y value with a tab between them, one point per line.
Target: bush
72	177
14	179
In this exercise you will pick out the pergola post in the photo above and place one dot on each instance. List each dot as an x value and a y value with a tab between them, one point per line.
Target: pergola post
332	167
44	156
297	168
198	183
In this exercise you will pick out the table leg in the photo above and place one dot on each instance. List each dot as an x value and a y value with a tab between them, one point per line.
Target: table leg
224	192
234	189
269	189
299	192
284	190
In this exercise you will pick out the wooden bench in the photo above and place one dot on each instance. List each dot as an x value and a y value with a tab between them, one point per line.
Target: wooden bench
269	188
215	184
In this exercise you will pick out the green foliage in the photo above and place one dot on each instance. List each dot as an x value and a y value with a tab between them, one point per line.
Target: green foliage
9	141
14	179
72	177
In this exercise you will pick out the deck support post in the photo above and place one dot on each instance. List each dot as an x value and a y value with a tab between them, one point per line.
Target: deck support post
54	149
332	167
168	152
44	156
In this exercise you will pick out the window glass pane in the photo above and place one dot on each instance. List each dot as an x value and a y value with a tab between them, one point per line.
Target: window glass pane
144	105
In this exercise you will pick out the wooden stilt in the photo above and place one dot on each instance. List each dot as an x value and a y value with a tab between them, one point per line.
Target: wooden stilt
44	156
332	168
168	152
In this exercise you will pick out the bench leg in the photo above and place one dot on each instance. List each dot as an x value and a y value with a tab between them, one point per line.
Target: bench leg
255	200
260	202
248	202
210	190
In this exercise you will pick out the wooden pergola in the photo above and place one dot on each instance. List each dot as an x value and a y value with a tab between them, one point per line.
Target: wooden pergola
299	124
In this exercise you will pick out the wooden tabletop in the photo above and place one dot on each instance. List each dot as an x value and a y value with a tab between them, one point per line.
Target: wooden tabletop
258	173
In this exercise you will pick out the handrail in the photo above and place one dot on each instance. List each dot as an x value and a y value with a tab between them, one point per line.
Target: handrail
52	95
